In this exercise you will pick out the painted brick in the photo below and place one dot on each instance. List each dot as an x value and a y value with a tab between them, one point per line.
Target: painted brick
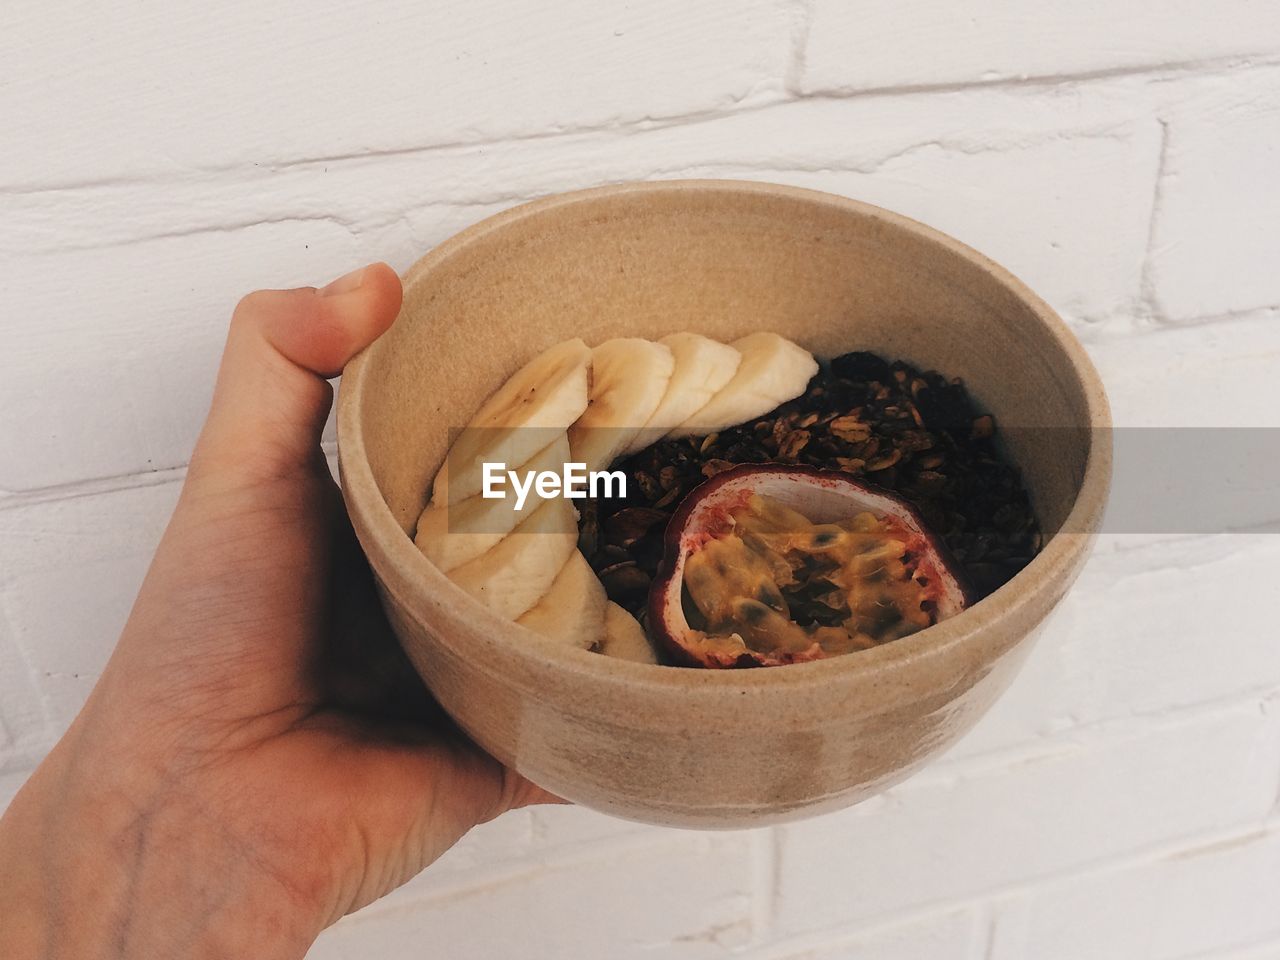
520	839
688	897
22	713
1257	951
1192	903
1214	375
1138	635
556	827
1219	202
1033	208
878	43
946	935
938	838
73	567
98	94
159	311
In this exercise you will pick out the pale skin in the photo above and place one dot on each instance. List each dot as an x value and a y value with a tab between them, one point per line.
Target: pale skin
257	760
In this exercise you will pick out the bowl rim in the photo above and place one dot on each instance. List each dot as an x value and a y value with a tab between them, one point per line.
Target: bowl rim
414	582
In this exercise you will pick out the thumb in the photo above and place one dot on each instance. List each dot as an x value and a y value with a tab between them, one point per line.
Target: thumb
271	398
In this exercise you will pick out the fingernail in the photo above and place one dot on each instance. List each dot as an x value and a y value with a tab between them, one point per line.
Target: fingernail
344	284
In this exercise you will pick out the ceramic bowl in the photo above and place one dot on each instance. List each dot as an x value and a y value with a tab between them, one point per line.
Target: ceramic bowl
705	748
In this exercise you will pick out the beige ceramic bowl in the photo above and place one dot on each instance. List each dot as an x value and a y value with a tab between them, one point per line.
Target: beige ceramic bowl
702	748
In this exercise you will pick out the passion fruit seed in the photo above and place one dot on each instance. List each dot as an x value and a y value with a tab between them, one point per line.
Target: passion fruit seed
753	581
773	564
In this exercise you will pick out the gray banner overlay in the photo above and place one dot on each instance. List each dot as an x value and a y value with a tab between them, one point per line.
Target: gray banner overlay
1166	480
1194	480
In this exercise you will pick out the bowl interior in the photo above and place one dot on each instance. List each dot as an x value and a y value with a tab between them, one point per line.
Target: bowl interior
723	259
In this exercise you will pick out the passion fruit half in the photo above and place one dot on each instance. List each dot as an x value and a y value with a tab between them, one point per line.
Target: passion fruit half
772	564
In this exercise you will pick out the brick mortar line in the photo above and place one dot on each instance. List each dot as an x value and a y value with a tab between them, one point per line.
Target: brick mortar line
1184	845
1148	295
90	487
1240	951
625	128
729	167
1113	129
944	770
112	483
1171	70
801	14
789	945
765	883
534	863
984	942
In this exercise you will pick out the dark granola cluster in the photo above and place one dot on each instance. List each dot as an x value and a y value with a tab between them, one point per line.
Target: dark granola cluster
917	434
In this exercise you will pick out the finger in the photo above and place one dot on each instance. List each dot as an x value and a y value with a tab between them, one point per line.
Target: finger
271	398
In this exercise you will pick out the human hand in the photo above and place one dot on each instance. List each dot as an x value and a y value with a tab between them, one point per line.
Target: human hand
258	758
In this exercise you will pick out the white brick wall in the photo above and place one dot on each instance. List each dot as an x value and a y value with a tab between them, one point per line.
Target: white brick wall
1123	800
874	44
1218	179
1186	902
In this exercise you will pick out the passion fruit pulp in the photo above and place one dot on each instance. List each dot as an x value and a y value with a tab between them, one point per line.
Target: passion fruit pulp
768	564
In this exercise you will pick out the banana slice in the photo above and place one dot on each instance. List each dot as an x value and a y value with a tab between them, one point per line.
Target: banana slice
773	370
511	577
624	637
547	394
629	377
703	367
450	535
573	611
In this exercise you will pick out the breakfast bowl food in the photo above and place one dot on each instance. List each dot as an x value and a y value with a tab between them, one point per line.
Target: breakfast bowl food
508	626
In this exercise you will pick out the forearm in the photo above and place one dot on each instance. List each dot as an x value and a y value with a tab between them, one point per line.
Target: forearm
94	869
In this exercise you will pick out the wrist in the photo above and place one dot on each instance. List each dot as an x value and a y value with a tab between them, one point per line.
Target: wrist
127	865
